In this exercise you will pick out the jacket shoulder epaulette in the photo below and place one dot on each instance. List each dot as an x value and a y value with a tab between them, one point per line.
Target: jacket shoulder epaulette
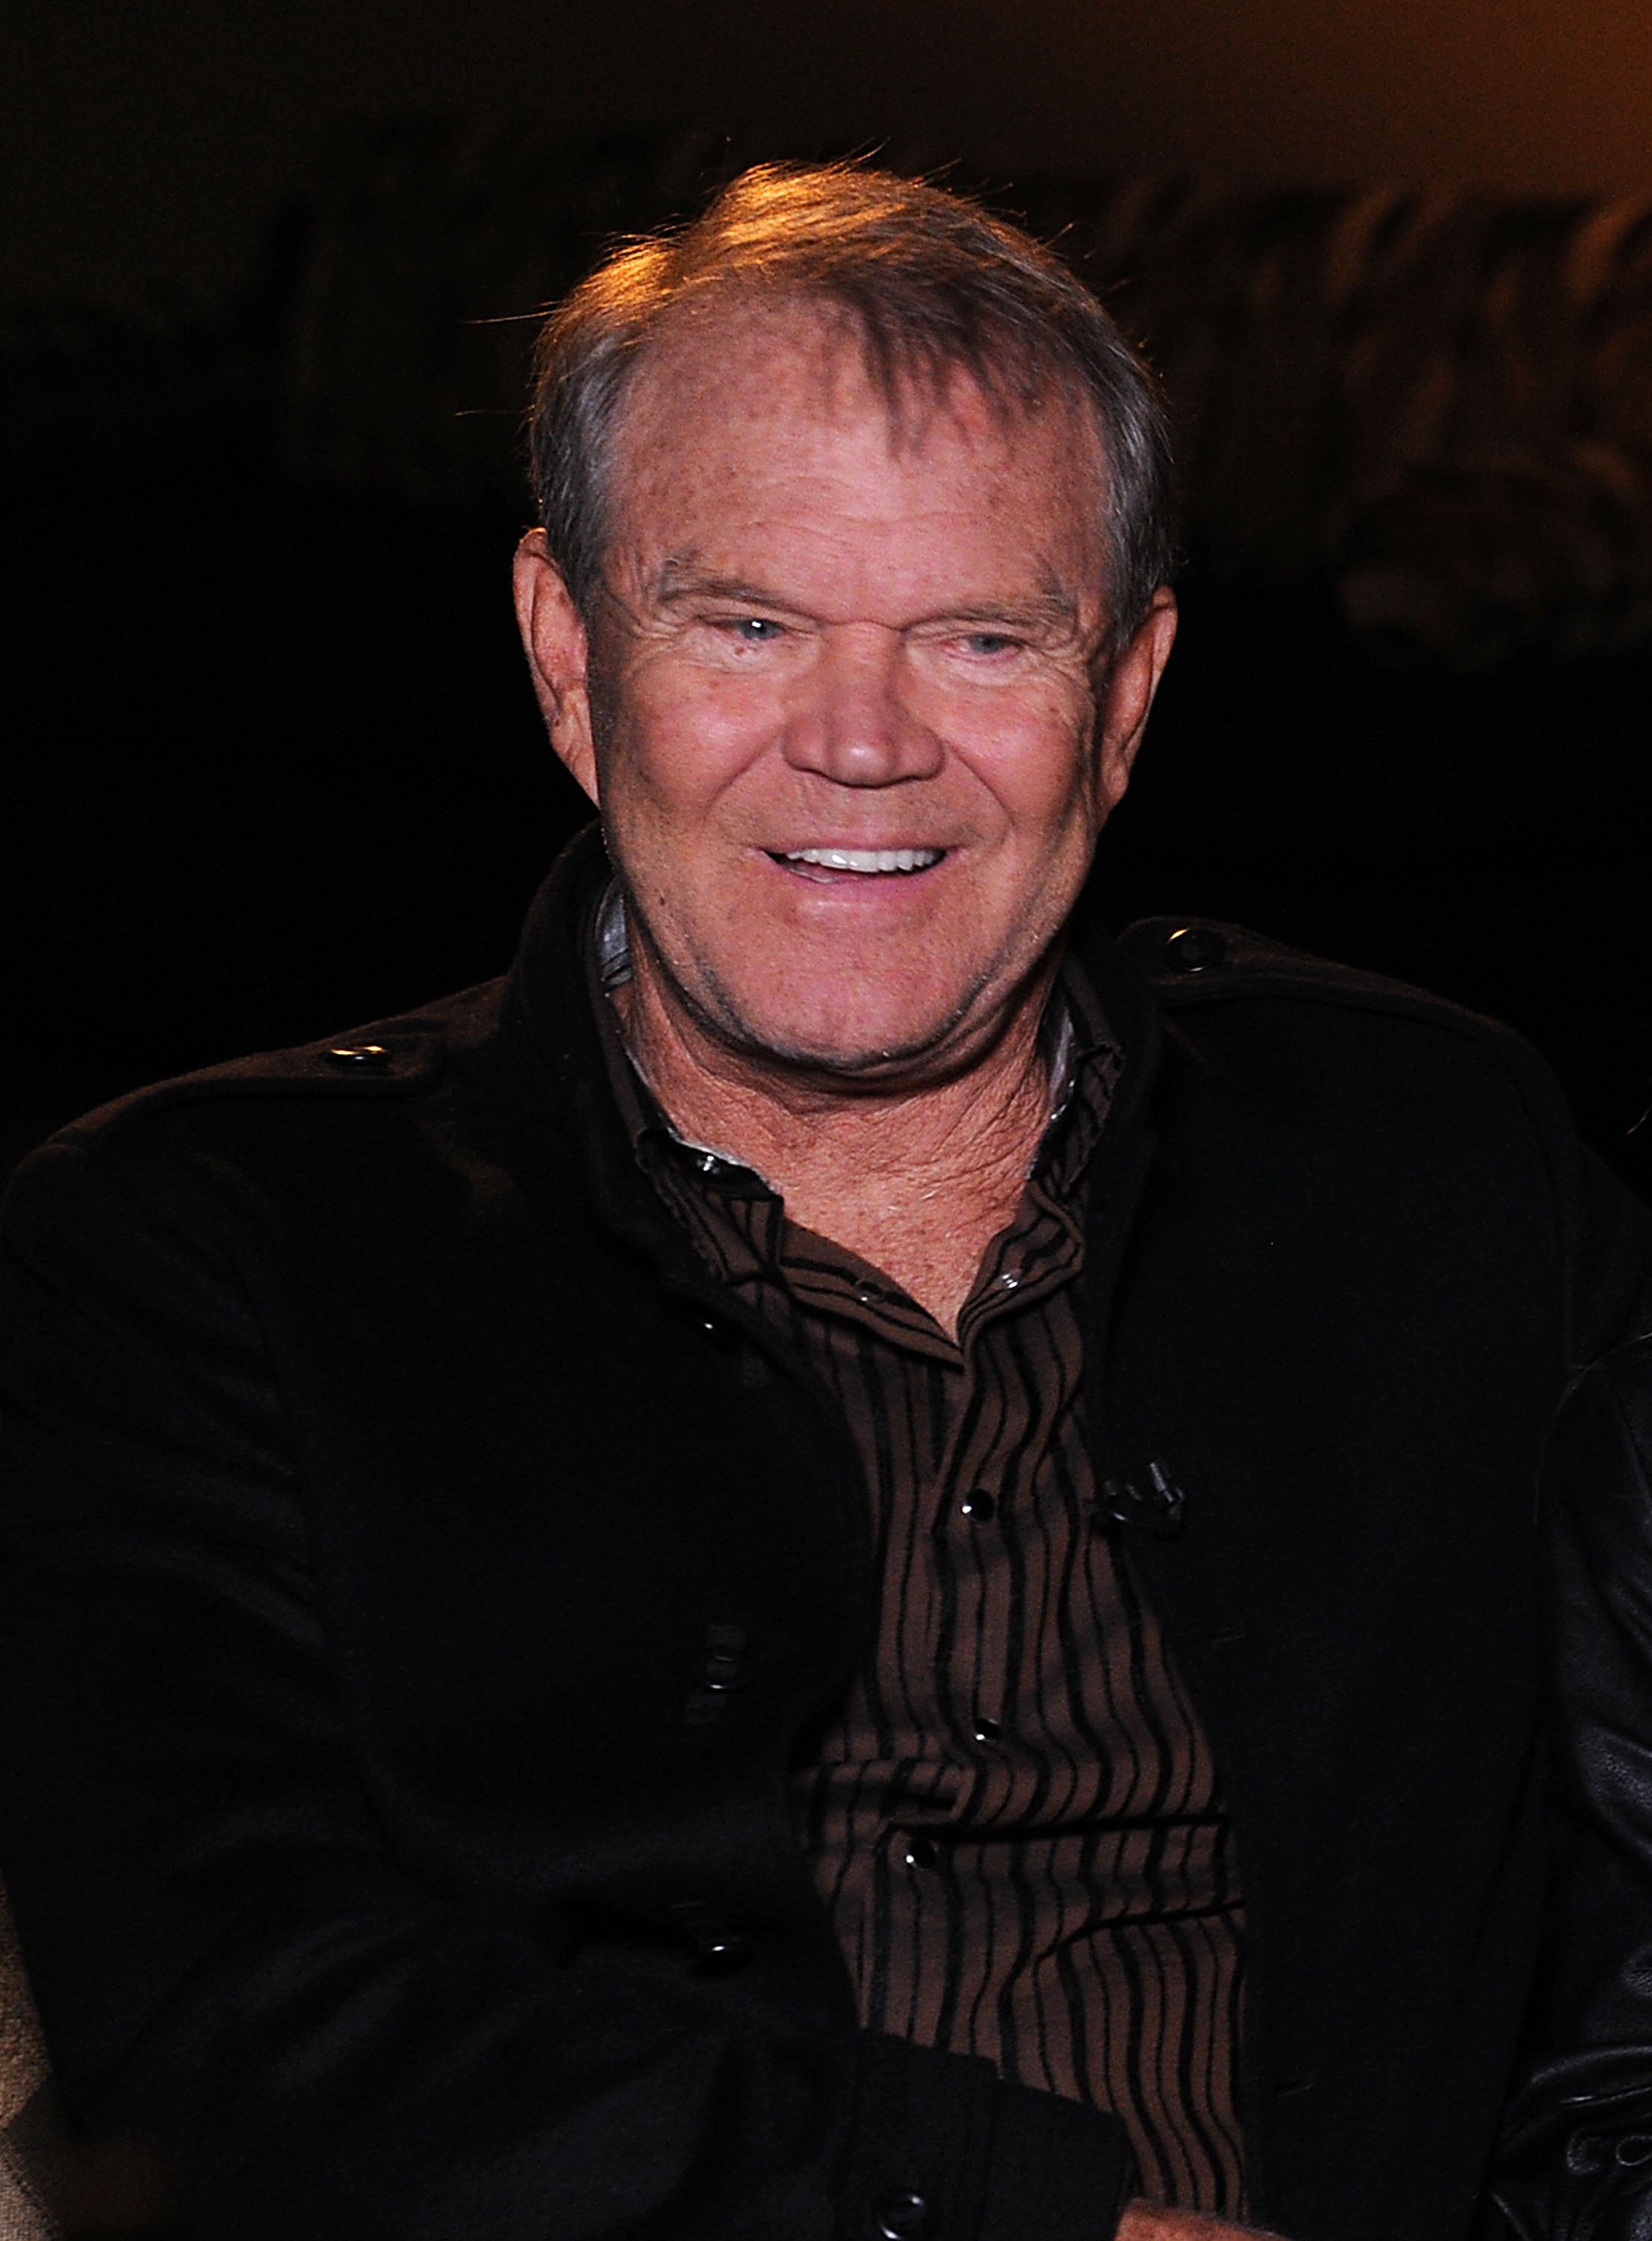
1200	960
391	1058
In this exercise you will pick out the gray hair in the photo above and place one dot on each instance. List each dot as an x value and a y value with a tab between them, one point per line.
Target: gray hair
930	283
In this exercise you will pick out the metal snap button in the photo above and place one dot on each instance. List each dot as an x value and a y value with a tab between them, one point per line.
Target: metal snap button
901	2215
1195	949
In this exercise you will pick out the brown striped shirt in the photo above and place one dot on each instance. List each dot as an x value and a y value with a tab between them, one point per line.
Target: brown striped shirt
1012	1815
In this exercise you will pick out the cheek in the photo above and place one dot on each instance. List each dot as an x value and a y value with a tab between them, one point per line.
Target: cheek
680	737
1038	762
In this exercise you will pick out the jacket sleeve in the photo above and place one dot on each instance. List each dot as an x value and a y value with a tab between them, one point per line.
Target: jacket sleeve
1576	2164
231	1958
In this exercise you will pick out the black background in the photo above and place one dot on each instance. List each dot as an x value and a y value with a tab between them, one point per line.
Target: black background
273	765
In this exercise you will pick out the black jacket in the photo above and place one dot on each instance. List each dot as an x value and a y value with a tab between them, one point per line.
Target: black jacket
1578	2160
381	1468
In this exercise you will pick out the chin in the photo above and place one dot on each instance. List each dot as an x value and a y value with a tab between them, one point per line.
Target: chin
873	1050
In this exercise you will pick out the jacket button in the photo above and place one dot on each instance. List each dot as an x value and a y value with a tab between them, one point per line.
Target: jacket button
900	2215
716	1944
720	1332
921	1852
979	1508
1195	949
720	1669
723	1949
363	1058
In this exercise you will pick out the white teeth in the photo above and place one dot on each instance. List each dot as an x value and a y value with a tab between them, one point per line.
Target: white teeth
868	859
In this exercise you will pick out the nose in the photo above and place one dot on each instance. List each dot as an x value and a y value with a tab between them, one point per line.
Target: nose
851	722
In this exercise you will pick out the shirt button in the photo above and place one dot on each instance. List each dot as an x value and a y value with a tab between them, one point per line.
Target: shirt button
921	1852
989	1731
979	1508
900	2215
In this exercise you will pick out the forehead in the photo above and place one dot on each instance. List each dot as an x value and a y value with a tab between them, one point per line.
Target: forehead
766	423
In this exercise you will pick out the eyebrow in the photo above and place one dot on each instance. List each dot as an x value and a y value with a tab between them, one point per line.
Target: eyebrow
1052	608
680	579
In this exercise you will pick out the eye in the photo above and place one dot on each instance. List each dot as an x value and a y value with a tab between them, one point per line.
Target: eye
997	647
752	629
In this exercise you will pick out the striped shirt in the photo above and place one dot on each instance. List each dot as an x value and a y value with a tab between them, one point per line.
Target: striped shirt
1012	1815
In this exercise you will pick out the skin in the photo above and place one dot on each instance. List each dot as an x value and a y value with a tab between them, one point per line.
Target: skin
825	626
1148	2221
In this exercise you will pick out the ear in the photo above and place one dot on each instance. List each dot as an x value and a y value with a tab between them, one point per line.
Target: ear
1126	697
554	637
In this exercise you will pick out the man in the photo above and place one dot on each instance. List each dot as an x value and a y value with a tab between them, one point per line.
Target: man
842	1562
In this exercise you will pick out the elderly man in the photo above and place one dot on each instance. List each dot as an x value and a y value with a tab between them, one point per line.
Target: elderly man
843	1563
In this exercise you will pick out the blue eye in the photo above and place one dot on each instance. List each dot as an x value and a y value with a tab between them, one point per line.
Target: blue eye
755	630
988	642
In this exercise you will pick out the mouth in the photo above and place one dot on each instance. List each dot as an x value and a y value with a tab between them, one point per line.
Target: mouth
868	862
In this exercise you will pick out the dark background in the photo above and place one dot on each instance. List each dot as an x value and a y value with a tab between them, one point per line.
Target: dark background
272	766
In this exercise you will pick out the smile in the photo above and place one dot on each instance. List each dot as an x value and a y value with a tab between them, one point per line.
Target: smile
866	860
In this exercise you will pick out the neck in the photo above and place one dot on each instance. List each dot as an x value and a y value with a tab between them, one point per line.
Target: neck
916	1178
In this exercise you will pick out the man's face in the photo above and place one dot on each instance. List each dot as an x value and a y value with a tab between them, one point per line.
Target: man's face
848	741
